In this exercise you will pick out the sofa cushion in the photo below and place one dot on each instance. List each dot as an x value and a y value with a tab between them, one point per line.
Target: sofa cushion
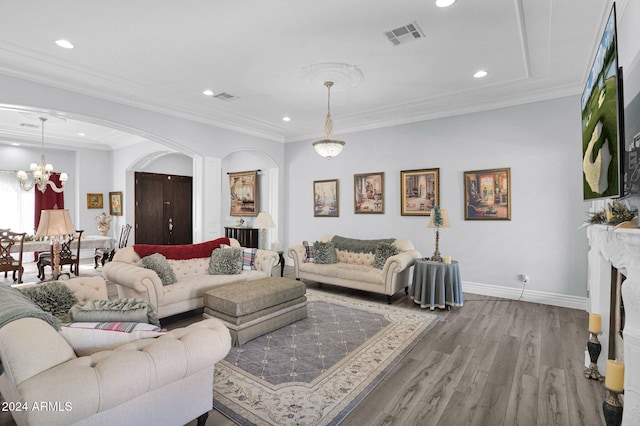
308	247
324	253
181	251
53	297
87	338
345	271
383	252
158	264
193	288
225	261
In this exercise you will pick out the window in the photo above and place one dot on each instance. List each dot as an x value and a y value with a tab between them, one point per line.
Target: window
17	205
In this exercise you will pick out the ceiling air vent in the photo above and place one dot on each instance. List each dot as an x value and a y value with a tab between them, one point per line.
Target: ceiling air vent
224	96
404	34
31	126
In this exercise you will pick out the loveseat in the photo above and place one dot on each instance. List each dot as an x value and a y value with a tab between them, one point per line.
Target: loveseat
354	264
166	380
190	263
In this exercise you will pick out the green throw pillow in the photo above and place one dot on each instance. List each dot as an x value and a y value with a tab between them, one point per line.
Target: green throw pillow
54	297
383	252
159	264
324	253
225	261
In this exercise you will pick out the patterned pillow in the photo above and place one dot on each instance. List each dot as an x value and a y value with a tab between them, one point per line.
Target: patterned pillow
248	257
383	252
225	261
325	253
308	246
158	263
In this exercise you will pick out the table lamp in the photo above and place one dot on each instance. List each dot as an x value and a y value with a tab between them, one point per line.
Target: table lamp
264	221
438	219
55	223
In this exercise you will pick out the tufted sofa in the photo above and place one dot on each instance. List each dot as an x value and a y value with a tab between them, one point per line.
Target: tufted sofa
355	269
166	380
190	264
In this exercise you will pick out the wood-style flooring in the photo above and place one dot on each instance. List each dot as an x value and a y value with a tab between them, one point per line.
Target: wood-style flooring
492	362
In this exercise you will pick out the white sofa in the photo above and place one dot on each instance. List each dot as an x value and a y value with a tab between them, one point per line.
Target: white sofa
356	270
166	380
194	280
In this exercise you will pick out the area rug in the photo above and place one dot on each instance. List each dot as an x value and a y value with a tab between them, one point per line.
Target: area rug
317	370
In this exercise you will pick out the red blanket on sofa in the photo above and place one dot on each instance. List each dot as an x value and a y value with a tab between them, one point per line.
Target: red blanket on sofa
181	252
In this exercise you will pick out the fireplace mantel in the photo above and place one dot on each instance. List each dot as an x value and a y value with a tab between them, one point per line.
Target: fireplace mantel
618	247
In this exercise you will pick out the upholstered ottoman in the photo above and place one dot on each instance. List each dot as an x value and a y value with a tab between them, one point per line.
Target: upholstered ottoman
253	308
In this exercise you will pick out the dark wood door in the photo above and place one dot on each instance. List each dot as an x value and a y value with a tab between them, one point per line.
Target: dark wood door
163	209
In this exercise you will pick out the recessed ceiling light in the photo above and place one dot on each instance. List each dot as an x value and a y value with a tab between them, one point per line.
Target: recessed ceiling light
82	134
208	92
65	44
480	74
444	3
286	118
15	144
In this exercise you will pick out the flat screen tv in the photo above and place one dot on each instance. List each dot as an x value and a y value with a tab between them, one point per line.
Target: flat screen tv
602	118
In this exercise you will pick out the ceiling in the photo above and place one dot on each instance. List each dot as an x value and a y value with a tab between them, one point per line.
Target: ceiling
161	55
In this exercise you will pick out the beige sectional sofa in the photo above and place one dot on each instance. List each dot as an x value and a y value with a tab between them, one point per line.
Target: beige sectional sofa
192	272
166	380
354	267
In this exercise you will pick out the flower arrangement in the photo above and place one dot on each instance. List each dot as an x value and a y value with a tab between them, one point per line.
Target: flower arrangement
613	214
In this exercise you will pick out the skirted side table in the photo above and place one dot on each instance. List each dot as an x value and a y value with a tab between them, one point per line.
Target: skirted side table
436	284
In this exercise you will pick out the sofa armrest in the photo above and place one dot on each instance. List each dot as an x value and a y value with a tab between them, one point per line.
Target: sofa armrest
298	253
266	260
134	281
399	263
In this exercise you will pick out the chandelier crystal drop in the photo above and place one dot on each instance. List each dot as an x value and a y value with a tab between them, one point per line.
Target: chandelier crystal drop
328	147
41	173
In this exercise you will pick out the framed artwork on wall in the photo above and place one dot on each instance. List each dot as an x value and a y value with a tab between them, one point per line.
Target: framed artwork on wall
115	203
325	198
244	193
94	201
487	194
368	193
419	191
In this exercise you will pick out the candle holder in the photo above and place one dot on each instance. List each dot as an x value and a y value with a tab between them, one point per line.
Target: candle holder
594	347
612	409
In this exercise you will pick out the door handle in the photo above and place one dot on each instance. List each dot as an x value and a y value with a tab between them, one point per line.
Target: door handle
170	224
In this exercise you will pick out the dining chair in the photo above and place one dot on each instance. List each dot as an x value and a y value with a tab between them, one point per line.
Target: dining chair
67	256
105	254
11	241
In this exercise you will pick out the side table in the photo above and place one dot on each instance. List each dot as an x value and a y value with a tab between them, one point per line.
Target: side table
436	284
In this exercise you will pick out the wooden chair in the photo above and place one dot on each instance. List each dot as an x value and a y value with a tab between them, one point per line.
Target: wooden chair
67	256
9	240
106	253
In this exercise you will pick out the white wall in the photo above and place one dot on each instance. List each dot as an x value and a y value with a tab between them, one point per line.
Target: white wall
540	142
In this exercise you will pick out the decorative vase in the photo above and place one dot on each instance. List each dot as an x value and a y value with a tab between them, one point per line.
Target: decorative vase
103	223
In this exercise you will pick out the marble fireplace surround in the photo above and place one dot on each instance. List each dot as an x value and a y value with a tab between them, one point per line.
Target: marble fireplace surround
620	248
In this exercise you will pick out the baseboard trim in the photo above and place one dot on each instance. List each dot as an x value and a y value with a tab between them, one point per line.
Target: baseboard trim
545	298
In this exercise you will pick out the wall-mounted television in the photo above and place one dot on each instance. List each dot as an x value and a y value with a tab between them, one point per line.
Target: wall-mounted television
602	118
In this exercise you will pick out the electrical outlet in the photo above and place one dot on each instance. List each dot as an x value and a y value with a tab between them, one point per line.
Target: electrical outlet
524	278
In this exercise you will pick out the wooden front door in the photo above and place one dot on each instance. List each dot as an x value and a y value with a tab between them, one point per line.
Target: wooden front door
163	209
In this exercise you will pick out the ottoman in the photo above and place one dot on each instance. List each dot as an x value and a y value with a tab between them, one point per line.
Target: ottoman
252	308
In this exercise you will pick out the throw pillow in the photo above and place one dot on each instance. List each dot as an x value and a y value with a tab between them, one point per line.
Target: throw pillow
124	310
54	298
248	257
158	264
225	261
383	252
308	246
324	253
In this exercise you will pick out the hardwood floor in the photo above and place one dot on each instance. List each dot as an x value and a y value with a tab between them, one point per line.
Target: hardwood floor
492	362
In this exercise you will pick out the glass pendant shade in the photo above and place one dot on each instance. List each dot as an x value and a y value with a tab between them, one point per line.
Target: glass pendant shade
328	147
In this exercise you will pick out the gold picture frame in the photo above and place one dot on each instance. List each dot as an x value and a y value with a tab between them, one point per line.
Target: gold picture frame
243	187
115	203
325	198
368	193
487	194
94	201
419	191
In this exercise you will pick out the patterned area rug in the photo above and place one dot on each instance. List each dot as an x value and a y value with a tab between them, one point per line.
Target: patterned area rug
317	370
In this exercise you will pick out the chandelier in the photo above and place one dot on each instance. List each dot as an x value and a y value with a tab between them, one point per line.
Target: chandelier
41	173
328	147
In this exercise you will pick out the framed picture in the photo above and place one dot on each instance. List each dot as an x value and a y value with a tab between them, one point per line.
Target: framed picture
244	193
94	201
368	193
419	191
325	198
115	203
487	194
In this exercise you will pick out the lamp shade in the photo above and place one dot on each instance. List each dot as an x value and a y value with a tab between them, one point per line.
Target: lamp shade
264	220
445	219
55	222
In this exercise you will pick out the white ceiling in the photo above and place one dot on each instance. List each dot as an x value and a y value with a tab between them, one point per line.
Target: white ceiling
161	55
